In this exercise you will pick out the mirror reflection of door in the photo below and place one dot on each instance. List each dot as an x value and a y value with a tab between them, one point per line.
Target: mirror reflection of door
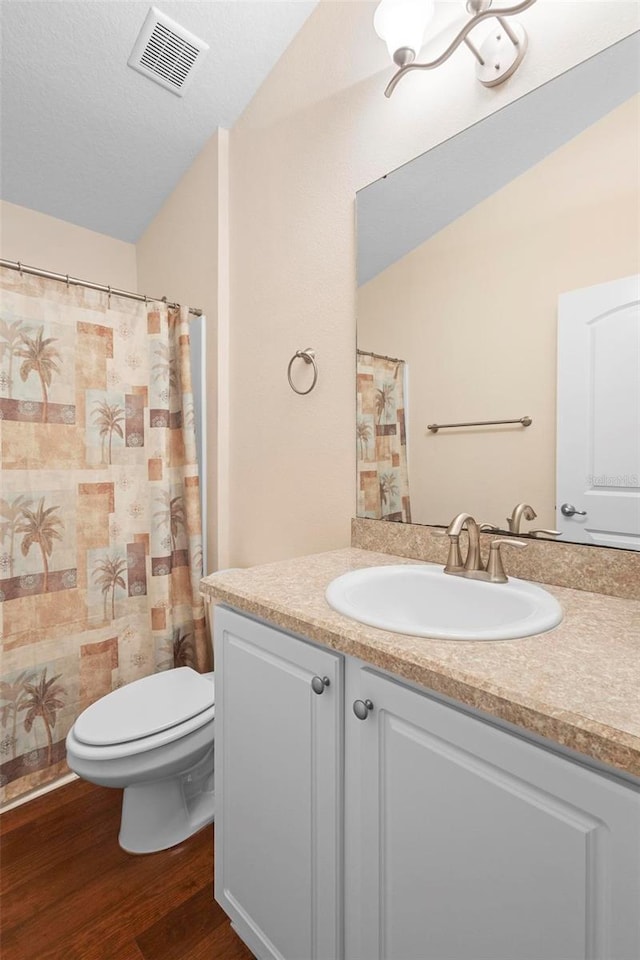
598	410
465	258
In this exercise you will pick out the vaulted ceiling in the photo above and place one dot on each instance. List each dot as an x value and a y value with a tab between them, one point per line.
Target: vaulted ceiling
87	139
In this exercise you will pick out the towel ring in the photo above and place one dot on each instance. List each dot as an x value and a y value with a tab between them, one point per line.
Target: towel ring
309	356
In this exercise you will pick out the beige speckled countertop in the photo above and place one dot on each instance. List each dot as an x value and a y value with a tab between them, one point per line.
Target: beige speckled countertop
577	685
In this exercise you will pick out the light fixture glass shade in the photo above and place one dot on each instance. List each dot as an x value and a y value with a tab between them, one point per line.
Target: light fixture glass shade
402	23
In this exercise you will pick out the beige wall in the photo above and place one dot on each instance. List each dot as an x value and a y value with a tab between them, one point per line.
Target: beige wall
42	241
178	256
318	130
474	312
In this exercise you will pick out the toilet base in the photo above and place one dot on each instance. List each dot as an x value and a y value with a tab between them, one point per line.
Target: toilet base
159	814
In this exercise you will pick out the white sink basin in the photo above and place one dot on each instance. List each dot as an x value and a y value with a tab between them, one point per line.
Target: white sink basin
423	601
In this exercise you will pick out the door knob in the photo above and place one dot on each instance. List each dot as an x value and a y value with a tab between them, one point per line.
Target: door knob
319	683
361	708
568	510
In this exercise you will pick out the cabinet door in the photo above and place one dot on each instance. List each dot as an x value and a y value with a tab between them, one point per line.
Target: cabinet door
278	830
465	842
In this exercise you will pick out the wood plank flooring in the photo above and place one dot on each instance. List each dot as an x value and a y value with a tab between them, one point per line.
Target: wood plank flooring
70	893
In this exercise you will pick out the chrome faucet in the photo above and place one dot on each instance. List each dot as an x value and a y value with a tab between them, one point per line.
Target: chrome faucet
473	567
525	510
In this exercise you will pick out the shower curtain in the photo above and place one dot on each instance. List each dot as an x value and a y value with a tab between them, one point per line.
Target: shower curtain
101	540
383	479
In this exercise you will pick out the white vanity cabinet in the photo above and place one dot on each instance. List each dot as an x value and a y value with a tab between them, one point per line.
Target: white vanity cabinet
466	842
462	841
278	774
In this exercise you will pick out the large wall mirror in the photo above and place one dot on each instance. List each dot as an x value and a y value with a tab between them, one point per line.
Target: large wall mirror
498	281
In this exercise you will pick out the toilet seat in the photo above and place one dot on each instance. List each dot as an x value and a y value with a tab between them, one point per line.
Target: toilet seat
144	715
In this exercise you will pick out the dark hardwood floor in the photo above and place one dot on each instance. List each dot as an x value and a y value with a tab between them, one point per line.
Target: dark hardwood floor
68	892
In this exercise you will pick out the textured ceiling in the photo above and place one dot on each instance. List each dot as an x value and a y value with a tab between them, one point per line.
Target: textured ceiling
87	139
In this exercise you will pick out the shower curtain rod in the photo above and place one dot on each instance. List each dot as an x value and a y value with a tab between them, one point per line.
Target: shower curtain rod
73	281
379	356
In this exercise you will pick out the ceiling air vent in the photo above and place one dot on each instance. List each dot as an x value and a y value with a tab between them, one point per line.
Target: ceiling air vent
166	52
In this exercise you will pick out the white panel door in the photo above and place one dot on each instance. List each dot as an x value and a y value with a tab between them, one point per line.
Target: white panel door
466	843
278	830
598	413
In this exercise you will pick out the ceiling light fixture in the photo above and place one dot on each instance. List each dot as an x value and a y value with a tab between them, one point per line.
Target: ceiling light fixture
402	24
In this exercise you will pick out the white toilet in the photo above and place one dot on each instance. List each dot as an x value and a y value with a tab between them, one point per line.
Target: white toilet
154	738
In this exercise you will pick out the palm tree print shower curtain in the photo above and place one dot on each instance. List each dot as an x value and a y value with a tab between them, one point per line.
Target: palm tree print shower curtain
101	541
383	480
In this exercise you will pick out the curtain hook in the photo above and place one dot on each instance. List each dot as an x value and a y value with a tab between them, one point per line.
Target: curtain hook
67	281
109	298
20	269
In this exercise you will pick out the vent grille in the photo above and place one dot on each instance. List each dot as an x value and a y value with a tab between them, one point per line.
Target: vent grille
166	52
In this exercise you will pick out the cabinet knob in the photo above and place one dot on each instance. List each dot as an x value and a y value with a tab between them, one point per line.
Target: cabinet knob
319	683
361	708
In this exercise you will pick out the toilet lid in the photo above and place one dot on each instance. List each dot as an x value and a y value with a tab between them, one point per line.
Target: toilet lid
145	707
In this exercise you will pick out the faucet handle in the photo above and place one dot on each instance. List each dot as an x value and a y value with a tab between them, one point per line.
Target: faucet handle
454	560
488	528
495	569
544	533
